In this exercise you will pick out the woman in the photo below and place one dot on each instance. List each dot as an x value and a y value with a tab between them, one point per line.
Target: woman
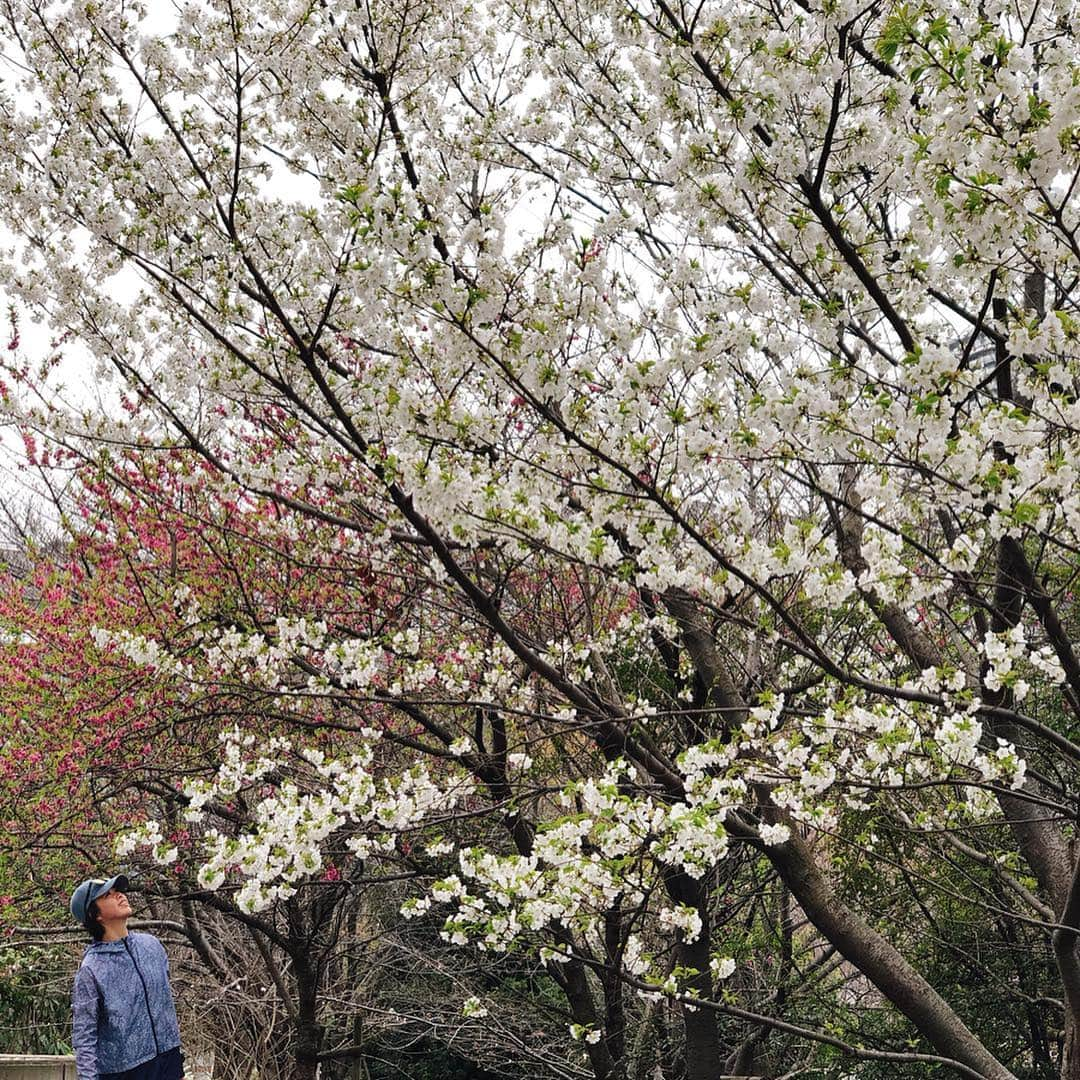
123	1017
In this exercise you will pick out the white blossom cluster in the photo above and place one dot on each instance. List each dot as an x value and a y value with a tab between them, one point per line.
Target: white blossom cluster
1004	653
617	838
149	836
140	649
281	844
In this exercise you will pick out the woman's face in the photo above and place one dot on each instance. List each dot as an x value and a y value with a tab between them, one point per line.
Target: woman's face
113	905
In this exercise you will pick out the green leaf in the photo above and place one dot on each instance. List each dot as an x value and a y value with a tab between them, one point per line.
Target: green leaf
896	32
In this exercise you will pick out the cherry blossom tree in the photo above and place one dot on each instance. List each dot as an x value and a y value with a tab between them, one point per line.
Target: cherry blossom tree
712	370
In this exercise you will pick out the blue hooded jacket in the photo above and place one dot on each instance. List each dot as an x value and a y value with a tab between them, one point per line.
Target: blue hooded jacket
122	1006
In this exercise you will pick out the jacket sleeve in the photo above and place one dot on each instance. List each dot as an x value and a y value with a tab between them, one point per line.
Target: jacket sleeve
84	1024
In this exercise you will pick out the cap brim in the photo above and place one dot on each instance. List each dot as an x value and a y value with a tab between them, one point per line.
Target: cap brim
119	882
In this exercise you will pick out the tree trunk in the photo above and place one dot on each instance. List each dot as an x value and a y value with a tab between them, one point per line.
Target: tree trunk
614	1010
305	1067
702	1041
1070	1053
571	978
309	1033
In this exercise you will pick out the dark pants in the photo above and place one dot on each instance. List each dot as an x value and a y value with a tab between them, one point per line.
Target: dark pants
167	1066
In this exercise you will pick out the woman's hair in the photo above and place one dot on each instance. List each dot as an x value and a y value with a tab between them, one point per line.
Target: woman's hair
92	923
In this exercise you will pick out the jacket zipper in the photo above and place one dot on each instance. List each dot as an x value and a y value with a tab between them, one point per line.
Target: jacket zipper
146	995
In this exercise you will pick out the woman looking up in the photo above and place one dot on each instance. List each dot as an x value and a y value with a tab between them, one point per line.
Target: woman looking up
123	1018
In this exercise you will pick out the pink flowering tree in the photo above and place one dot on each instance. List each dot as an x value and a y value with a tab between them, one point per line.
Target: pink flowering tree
110	728
709	377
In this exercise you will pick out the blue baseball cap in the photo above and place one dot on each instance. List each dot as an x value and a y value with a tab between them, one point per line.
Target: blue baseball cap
90	890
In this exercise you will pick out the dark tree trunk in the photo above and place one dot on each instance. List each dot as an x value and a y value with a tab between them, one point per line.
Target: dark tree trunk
614	1011
571	978
309	1033
1070	1051
702	1041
